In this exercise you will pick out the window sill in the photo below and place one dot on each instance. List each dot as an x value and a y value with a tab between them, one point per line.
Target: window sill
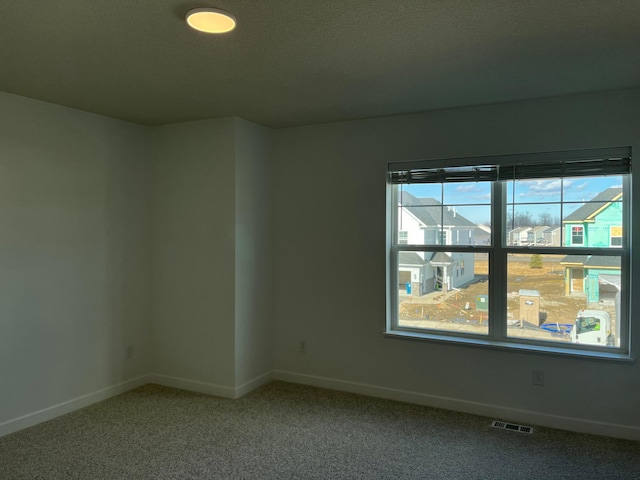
511	346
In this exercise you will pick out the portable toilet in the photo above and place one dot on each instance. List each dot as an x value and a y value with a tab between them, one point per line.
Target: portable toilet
530	306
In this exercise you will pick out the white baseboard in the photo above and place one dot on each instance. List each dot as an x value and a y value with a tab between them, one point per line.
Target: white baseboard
447	403
69	406
253	384
49	413
192	385
494	411
211	388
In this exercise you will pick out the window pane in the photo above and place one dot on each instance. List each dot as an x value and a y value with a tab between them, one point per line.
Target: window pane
420	224
531	224
533	212
467	193
583	189
468	225
443	291
407	193
428	221
543	190
589	208
560	297
596	223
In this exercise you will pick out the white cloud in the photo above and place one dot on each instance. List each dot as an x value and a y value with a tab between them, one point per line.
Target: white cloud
467	188
542	188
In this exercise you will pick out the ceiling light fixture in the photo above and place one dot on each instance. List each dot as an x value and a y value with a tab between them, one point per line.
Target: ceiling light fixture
210	20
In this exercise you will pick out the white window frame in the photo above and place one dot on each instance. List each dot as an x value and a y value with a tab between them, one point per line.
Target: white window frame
611	236
581	229
498	251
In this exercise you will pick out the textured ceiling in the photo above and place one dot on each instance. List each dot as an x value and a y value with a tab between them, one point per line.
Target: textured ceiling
297	62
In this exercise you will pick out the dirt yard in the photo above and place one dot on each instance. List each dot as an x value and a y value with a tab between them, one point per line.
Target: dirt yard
456	310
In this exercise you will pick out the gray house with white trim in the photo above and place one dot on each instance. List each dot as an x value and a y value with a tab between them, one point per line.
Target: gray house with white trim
425	221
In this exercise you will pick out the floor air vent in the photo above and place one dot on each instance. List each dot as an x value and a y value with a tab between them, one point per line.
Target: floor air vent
511	426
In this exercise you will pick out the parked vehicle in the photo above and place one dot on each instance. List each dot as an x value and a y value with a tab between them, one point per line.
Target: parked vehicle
591	327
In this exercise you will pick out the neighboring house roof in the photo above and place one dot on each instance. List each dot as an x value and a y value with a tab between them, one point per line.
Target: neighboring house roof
410	258
430	212
441	258
603	262
538	229
578	259
592	261
520	230
590	209
551	229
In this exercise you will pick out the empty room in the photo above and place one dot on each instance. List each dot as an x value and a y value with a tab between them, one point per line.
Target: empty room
302	239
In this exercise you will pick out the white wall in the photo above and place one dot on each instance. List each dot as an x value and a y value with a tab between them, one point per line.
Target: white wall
332	179
193	244
115	235
212	324
112	234
253	293
463	278
73	256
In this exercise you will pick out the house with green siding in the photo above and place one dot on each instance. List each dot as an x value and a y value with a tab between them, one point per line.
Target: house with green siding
597	223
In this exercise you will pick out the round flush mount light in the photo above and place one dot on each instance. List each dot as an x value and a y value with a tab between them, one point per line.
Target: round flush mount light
210	20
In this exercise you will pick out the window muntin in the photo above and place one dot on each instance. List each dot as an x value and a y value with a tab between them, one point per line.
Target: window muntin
429	299
547	293
437	214
554	204
577	235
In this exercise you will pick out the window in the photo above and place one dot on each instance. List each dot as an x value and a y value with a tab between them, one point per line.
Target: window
577	235
615	236
403	237
556	248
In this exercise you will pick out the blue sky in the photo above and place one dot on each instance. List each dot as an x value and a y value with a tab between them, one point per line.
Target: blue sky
543	196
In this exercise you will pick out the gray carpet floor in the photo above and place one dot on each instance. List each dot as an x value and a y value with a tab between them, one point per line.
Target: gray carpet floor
287	431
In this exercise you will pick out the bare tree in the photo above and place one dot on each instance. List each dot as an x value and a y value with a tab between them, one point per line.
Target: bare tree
526	219
545	219
521	219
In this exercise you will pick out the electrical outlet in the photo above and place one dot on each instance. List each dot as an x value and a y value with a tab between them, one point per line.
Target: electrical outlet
537	377
302	346
129	352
